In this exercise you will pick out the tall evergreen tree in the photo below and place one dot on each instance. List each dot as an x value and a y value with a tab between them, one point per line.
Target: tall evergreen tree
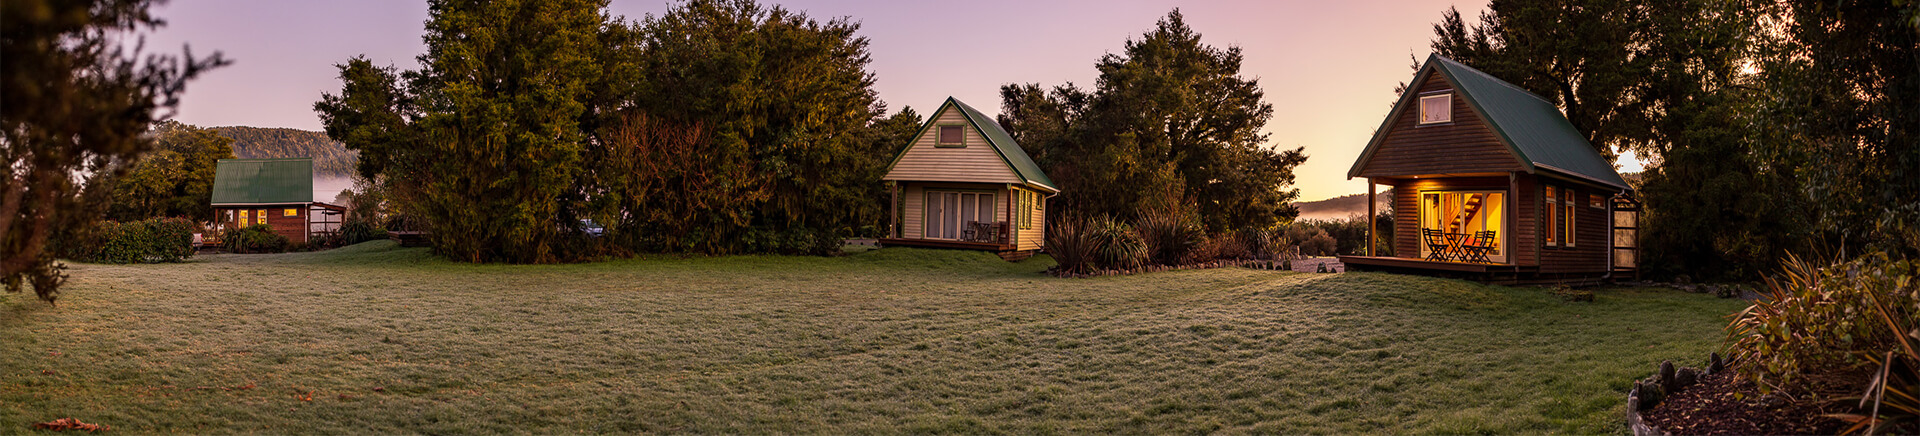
1170	114
75	105
485	141
783	94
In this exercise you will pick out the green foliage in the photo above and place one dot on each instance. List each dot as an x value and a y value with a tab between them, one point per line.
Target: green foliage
719	127
153	240
484	143
1170	231
257	238
75	104
330	158
1072	246
1169	113
358	231
175	179
1115	245
793	126
1817	319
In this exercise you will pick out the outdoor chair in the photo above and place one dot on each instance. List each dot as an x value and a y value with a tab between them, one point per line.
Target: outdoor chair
1479	246
1436	245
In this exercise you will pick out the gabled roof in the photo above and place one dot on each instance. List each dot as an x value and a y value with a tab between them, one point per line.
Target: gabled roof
1530	126
263	181
1010	152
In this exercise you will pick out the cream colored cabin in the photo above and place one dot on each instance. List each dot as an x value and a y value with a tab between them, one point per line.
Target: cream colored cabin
964	183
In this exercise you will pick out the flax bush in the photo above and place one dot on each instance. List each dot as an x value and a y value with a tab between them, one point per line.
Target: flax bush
258	238
1817	319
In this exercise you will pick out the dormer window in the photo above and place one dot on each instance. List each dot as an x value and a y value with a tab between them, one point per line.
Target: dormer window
1435	109
952	135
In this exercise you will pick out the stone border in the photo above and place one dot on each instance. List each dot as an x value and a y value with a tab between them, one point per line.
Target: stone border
1667	381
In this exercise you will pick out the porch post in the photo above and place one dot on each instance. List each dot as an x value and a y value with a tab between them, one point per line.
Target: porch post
1370	216
893	210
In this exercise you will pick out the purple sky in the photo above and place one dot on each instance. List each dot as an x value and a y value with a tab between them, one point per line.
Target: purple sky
1328	67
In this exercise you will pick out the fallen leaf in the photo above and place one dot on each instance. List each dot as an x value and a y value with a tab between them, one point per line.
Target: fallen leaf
64	424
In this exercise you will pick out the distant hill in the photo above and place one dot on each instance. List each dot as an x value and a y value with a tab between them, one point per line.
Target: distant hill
1339	208
331	159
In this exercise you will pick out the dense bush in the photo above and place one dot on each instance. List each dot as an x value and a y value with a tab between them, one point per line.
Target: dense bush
1072	247
1116	245
358	231
1169	232
147	241
1816	318
258	238
1840	319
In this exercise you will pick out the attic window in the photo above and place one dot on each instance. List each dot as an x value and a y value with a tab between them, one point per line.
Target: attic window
1436	109
951	135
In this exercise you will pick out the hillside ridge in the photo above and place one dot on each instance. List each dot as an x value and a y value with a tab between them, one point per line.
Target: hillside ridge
331	159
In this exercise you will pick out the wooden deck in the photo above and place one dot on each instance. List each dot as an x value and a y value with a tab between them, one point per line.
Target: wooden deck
939	243
1495	273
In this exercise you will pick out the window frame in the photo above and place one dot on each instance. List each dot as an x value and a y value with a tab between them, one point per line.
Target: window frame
929	221
1448	96
939	135
1501	253
1571	215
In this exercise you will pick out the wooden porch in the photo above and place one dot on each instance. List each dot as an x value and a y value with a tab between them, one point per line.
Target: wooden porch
943	243
1482	272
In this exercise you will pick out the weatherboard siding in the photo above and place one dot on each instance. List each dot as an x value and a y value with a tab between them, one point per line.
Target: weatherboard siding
976	162
1465	145
1590	244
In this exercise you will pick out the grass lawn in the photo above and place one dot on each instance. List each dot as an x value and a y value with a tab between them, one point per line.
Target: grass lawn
384	339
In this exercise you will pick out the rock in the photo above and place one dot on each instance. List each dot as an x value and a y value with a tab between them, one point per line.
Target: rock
1715	365
1649	394
1666	376
1771	401
1685	377
1682	279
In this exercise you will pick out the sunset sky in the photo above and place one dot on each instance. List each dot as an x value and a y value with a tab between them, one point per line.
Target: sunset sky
1328	67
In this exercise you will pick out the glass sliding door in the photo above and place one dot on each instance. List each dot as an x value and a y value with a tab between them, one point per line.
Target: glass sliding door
950	214
1458	215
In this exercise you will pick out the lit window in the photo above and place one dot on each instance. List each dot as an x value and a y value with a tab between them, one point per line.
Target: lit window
260	216
1436	109
1553	217
291	212
244	218
952	135
1569	216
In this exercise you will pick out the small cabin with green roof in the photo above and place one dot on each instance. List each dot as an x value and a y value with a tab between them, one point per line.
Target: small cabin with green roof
276	192
1490	181
963	183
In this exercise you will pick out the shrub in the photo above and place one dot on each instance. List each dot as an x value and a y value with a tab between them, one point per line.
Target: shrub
1815	320
1072	246
1259	243
358	231
1169	233
258	238
1116	246
148	241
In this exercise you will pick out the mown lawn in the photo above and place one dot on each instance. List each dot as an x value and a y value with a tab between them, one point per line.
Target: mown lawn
375	338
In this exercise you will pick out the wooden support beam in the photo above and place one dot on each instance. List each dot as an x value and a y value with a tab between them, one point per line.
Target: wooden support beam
1370	217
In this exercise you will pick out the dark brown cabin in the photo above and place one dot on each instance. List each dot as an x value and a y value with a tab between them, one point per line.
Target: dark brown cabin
1489	182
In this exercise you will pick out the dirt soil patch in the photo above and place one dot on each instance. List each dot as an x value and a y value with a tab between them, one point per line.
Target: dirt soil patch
1727	404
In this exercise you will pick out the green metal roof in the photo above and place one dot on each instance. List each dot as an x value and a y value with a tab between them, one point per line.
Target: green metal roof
1010	152
1531	127
263	181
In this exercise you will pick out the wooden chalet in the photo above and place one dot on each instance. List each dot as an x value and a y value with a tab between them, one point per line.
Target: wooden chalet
276	192
1491	182
963	183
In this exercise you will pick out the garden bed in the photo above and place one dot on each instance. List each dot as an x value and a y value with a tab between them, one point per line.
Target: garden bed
1727	404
